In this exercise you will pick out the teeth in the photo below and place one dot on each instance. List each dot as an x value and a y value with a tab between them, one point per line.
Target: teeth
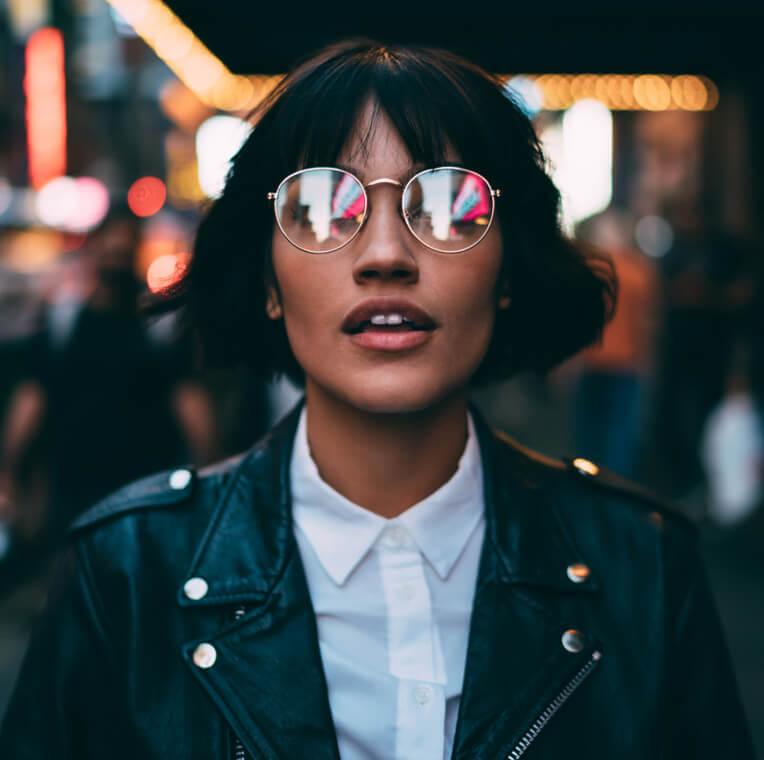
387	319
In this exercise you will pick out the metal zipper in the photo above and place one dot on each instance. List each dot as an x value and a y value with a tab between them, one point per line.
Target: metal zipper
239	753
554	706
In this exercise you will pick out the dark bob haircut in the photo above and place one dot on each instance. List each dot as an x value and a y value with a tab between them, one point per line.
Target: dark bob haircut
561	295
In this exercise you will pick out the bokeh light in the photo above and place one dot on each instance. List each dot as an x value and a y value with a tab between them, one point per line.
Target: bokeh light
72	204
166	270
217	141
146	196
45	93
56	201
654	235
527	93
6	195
92	204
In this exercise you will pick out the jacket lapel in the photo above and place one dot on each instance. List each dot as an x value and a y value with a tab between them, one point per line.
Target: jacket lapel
267	677
516	663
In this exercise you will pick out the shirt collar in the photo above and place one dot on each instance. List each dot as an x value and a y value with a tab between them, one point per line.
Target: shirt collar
341	532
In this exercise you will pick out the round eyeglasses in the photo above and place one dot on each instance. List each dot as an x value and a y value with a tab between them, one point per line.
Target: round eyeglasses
321	209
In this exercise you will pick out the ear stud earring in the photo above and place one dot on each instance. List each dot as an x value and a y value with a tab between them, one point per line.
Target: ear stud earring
273	309
504	302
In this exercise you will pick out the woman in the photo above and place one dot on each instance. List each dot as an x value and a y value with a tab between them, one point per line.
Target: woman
384	576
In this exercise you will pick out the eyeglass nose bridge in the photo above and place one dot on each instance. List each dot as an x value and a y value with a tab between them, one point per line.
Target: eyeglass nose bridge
384	181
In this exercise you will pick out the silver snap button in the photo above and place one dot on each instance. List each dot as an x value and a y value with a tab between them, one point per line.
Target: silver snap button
585	466
422	694
195	588
578	572
180	479
205	656
573	640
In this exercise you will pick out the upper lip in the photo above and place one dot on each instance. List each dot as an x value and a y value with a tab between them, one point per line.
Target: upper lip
387	305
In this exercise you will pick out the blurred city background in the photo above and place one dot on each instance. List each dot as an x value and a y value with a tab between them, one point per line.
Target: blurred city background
117	122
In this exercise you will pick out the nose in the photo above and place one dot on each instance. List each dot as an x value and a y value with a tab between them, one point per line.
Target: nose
383	249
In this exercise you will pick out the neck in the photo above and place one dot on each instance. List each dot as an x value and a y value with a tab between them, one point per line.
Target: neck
381	461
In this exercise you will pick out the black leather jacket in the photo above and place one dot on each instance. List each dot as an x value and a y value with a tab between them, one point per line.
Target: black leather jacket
593	633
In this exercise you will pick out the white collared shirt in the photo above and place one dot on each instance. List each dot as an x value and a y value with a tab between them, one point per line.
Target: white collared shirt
393	600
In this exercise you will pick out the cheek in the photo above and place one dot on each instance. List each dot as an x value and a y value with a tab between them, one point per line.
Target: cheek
310	290
469	290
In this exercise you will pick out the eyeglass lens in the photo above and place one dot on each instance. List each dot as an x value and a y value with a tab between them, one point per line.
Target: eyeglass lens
447	209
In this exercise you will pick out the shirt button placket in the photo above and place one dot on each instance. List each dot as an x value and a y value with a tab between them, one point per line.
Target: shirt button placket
422	694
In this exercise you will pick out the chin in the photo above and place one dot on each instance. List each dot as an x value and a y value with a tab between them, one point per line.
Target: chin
389	393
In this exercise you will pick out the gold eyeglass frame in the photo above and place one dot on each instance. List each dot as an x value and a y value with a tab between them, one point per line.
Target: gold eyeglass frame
495	193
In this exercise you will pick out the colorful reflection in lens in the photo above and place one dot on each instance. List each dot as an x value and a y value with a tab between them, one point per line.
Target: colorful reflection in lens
473	200
320	209
448	208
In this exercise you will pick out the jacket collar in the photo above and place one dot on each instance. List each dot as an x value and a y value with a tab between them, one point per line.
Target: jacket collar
249	541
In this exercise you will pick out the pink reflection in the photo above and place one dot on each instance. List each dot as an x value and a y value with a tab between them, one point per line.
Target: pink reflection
348	200
472	200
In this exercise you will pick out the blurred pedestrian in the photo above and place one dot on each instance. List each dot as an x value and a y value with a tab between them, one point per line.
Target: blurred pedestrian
706	288
614	374
108	401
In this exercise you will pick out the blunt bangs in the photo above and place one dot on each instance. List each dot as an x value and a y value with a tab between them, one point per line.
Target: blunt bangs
562	296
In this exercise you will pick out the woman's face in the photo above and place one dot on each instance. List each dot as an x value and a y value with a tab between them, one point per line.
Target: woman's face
457	291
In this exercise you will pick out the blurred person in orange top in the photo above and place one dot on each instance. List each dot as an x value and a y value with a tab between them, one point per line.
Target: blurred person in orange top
612	383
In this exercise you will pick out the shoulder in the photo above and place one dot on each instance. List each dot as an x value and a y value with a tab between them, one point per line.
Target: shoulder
169	490
584	483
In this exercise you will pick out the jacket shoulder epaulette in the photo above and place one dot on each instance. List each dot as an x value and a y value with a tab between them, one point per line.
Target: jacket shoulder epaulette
601	476
159	490
605	478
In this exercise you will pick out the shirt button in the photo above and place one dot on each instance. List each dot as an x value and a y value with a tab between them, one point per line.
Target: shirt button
422	694
396	536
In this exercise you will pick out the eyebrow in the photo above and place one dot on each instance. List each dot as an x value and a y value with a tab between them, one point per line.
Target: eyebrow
403	177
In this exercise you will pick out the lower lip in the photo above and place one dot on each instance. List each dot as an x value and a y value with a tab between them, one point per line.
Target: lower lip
377	340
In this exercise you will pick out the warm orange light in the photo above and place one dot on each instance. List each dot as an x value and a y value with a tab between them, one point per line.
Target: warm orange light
45	94
146	196
217	87
652	92
689	93
166	270
193	63
627	92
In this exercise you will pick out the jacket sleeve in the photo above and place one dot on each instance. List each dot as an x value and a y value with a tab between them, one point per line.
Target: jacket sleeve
705	715
62	689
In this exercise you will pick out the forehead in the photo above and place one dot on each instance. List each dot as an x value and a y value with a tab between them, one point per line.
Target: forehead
375	148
